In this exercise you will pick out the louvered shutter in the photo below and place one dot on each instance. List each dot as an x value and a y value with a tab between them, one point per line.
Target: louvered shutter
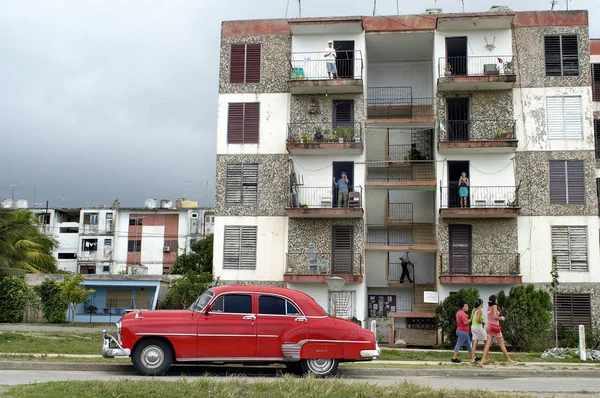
235	124
251	122
558	183
570	55
555	117
597	131
237	63
578	248
573	310
596	82
343	113
573	124
553	57
231	248
249	184
560	247
575	183
342	249
460	249
248	247
253	63
240	247
233	184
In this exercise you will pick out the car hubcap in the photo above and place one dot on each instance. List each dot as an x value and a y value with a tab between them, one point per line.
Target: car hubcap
152	356
320	366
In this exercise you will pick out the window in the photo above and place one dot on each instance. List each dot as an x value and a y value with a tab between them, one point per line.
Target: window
118	299
598	193
269	305
134	245
573	310
109	216
89	245
564	120
69	230
142	299
240	247
243	123
596	82
597	135
341	304
241	185
233	304
342	243
44	218
567	182
562	55
106	268
87	269
569	246
135	219
90	218
107	246
172	245
67	256
245	63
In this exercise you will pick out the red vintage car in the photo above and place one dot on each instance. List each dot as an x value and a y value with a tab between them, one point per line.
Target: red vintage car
244	325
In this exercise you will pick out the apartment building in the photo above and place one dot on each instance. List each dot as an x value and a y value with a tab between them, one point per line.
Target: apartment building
503	97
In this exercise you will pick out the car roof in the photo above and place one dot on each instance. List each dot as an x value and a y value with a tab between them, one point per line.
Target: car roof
308	304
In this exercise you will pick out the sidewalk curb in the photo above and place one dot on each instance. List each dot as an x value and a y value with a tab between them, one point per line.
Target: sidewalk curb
343	371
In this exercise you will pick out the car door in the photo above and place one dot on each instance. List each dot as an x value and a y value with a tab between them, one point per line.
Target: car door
228	330
276	316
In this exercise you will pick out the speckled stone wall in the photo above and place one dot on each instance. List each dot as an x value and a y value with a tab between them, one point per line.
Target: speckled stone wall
493	240
528	50
319	108
273	185
593	289
254	283
274	64
533	180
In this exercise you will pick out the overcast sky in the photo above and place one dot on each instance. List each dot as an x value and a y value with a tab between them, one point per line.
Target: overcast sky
105	100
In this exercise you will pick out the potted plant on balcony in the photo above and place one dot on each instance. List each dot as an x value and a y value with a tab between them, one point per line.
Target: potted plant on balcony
318	134
508	68
447	70
304	138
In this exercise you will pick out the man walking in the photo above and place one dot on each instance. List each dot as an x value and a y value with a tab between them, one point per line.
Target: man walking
462	330
330	57
342	185
405	262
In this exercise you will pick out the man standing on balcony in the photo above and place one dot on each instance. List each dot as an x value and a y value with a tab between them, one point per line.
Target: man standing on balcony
330	57
342	185
405	261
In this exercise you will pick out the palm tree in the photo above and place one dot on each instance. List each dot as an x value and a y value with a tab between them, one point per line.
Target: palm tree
23	248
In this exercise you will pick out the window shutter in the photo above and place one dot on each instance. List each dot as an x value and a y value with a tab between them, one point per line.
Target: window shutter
578	248
231	247
248	247
233	184
597	131
249	184
560	247
251	122
596	82
575	183
558	183
343	113
573	310
555	119
460	249
553	57
240	247
235	124
253	63
573	125
570	55
342	249
237	63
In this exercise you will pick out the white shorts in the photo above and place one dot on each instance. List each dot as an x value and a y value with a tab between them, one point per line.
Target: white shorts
478	333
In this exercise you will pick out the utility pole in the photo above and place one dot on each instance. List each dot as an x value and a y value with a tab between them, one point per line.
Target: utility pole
299	8
13	195
206	189
374	6
185	185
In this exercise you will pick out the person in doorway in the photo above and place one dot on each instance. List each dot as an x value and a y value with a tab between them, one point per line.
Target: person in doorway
477	329
342	185
462	330
463	189
330	57
405	262
494	331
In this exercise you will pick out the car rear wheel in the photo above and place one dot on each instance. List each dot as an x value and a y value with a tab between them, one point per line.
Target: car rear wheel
152	357
320	367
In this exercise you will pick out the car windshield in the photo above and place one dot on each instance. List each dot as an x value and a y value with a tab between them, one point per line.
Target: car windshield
202	301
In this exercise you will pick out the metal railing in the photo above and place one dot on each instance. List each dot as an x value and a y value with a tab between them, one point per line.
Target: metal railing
340	263
480	197
411	234
315	133
414	170
313	65
395	272
397	103
476	66
324	197
481	264
476	130
400	212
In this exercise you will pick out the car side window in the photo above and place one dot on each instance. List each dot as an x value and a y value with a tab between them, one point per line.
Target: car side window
270	305
291	309
233	304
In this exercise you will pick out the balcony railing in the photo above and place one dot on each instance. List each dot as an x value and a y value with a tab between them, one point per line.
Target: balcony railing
324	263
400	212
480	264
313	65
397	103
308	132
395	272
414	170
324	197
476	130
476	66
408	235
480	197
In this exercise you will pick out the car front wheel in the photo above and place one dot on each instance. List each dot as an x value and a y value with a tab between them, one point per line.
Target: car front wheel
320	367
152	357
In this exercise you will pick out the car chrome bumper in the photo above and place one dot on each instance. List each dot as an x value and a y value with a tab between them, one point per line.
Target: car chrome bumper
371	354
111	352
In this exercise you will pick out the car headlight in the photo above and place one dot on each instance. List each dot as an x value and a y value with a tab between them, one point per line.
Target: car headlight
118	324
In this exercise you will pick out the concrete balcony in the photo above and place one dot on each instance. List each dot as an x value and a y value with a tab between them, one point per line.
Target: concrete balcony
400	238
480	268
471	136
324	202
317	267
481	202
310	76
323	139
396	105
476	73
409	175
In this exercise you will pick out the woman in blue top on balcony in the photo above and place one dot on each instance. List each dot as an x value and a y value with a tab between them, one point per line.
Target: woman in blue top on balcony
463	190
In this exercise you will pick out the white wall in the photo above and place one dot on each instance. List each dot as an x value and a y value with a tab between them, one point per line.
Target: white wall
320	292
153	241
375	268
270	252
530	114
490	169
274	111
535	246
416	74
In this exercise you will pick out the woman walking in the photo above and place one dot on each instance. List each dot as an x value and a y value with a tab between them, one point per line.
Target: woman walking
477	329
493	331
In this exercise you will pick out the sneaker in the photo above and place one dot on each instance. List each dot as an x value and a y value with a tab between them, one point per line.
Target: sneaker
455	360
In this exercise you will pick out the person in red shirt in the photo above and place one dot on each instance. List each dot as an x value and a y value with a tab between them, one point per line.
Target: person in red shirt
462	330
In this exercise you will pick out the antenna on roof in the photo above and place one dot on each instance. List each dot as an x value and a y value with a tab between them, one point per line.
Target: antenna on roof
463	5
299	8
374	6
554	3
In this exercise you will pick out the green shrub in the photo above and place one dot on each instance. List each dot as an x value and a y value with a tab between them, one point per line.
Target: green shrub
13	299
53	307
569	337
185	290
446	312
